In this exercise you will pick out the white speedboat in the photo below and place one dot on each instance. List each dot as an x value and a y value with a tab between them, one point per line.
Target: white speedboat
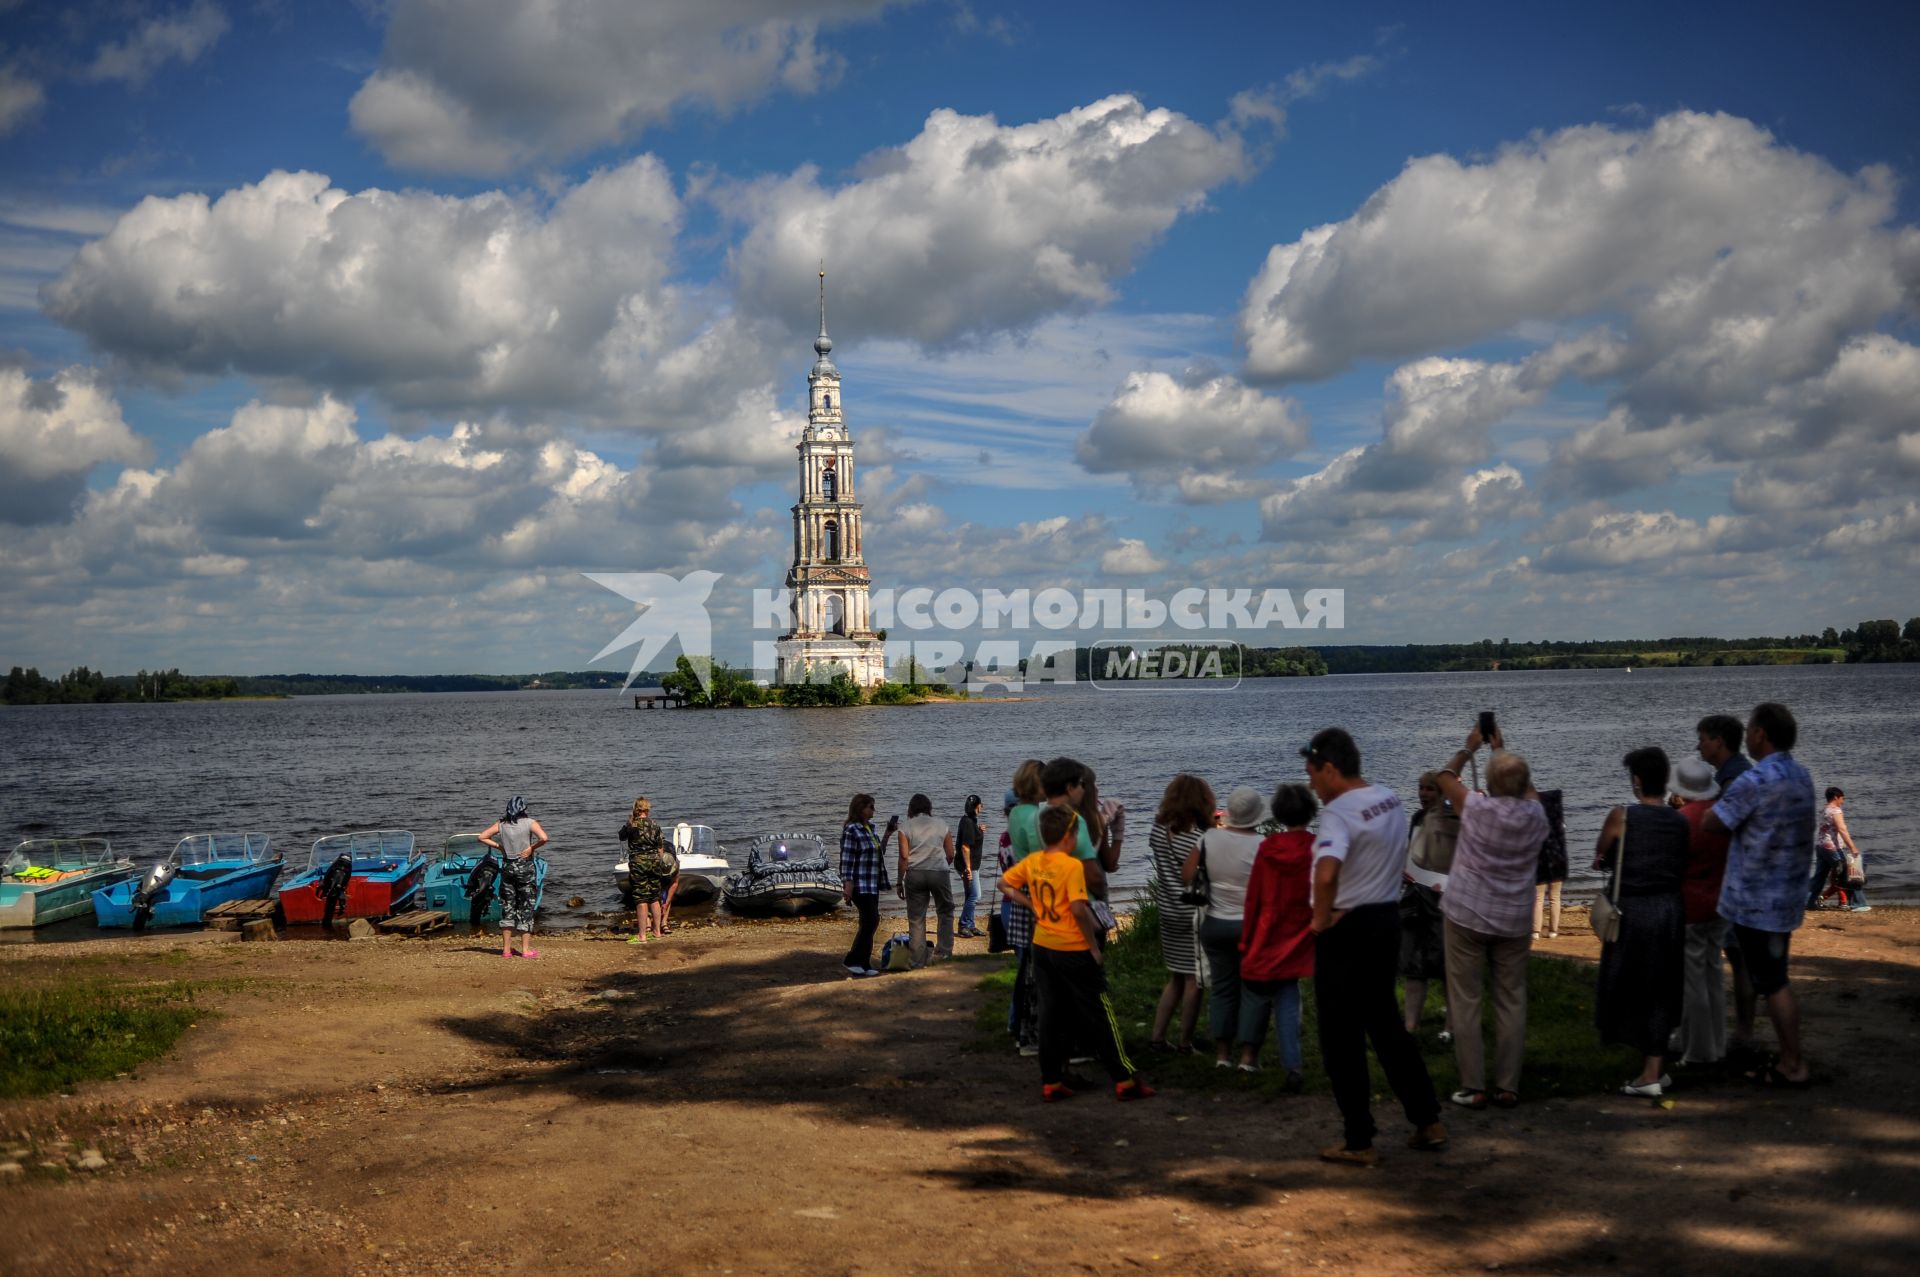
703	864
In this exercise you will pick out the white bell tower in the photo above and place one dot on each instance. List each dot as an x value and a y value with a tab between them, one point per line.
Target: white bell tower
831	624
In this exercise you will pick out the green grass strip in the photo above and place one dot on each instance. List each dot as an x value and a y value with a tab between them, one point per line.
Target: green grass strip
57	1034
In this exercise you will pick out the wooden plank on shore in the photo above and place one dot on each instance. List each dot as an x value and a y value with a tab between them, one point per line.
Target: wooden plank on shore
416	922
232	915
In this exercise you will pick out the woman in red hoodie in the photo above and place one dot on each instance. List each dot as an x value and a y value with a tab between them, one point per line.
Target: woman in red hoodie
1276	935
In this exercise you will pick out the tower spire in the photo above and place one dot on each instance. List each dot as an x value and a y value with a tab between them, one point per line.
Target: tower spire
823	344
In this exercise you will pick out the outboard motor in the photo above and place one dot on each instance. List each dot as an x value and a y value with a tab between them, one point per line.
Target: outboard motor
149	891
333	886
481	880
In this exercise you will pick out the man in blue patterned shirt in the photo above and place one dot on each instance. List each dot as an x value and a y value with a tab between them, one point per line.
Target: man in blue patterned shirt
1769	811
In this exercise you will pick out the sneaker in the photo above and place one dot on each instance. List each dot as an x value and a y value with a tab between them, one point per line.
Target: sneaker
1445	1037
1053	1092
1430	1138
851	968
1249	1068
1469	1099
1029	1050
1651	1091
1223	1064
1292	1083
1133	1090
1350	1156
1859	908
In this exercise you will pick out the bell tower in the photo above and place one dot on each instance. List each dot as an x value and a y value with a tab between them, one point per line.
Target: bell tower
831	621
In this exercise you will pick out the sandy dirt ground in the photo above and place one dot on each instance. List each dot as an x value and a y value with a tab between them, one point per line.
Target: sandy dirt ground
726	1101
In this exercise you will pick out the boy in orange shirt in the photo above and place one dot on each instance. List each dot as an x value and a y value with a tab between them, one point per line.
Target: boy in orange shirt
1074	1005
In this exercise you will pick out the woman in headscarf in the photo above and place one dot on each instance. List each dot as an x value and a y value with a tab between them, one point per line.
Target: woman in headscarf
516	836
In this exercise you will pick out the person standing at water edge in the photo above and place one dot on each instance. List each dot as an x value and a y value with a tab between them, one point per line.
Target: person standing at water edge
646	870
1702	1037
1644	846
1489	916
1769	812
926	856
1186	813
1074	1005
1720	737
1836	856
863	876
1236	1016
516	836
1356	924
969	844
1276	928
1023	805
1423	947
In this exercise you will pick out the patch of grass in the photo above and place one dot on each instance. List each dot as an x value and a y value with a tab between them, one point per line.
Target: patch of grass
55	1033
1564	1054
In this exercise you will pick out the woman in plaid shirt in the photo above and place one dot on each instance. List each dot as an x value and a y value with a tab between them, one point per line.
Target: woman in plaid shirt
863	876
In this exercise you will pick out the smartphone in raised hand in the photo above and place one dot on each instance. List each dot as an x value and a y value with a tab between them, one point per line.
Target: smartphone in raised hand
1486	726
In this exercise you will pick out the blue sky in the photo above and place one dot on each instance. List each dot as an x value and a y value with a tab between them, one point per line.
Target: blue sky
1507	321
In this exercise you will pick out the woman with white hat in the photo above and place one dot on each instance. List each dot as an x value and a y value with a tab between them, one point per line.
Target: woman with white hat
1701	1038
1234	1012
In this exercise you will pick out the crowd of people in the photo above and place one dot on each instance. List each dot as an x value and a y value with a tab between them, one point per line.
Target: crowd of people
1706	877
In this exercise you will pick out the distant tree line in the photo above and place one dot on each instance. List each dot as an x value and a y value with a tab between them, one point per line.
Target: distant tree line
1868	642
85	686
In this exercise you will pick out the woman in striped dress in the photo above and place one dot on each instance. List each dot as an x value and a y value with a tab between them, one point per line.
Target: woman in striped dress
1186	812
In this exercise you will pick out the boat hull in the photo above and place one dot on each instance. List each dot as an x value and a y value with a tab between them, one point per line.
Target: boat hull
370	894
785	902
40	905
445	887
185	901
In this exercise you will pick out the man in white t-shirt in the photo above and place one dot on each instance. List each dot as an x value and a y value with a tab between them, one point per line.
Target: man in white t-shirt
1357	860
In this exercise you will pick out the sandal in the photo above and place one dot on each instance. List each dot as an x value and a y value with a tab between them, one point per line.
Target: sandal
1769	1075
1470	1099
529	953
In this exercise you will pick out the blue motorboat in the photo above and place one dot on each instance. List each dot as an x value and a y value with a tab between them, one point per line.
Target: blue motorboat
452	884
47	880
370	874
202	871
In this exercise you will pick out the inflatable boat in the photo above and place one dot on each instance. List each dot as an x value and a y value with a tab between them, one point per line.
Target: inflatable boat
786	875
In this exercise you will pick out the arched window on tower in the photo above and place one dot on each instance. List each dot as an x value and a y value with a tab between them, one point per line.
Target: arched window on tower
826	402
833	541
827	483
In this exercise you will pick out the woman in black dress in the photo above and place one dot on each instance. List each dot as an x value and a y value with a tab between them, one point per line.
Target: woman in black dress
1642	973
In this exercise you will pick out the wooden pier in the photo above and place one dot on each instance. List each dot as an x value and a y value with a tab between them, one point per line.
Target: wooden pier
658	698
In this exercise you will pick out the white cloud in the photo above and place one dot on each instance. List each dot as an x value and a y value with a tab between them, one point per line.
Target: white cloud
20	99
973	226
181	36
1204	434
483	86
1734	259
432	301
1131	558
53	432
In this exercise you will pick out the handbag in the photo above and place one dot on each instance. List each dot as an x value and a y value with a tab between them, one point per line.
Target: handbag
997	934
1439	832
1604	913
1200	890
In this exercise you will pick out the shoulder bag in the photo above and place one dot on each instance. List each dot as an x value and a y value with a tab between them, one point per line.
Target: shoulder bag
1200	890
1604	913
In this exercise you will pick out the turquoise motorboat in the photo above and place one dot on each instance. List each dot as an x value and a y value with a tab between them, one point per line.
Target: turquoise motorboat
202	871
46	880
451	883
